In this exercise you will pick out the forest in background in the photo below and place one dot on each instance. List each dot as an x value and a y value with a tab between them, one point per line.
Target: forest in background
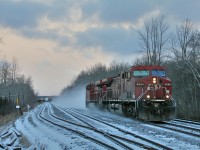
15	88
179	51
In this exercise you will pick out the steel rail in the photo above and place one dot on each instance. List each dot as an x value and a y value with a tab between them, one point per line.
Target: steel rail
82	134
125	131
182	126
98	131
177	130
187	121
112	135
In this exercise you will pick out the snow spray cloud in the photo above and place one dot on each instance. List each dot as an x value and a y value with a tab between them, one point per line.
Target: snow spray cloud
73	99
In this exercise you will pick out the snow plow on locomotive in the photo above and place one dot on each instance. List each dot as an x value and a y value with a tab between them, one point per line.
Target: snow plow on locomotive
141	91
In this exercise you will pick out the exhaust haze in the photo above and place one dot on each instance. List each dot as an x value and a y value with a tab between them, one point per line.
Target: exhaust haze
72	99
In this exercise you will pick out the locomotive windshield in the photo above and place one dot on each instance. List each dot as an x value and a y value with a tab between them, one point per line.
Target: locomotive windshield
139	73
160	73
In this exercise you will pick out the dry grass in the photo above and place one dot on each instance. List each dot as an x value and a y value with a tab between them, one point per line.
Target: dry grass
7	118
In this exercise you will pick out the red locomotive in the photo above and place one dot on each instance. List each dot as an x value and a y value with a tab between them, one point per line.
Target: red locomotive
141	91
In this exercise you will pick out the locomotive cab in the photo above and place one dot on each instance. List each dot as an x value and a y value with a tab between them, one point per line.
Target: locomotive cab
154	96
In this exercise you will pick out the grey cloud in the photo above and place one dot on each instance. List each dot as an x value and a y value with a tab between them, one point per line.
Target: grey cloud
109	39
130	10
118	10
19	14
182	9
50	34
26	13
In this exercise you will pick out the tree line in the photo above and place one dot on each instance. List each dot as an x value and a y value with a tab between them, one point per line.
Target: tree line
179	51
96	72
15	88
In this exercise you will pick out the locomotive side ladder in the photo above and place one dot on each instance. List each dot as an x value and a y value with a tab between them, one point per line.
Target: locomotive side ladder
139	98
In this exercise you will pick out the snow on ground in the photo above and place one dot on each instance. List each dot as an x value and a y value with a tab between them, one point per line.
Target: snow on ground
163	136
44	135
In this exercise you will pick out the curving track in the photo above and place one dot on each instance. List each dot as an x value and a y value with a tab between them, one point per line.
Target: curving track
193	132
185	129
171	137
38	127
52	127
187	121
89	121
189	127
77	131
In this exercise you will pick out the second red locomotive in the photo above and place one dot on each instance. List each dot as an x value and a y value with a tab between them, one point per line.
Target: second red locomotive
141	91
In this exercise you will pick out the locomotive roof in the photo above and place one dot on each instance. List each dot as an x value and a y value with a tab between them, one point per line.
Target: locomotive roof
110	79
101	82
147	68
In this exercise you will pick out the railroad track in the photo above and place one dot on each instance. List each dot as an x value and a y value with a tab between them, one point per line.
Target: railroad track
112	137
184	126
80	133
187	121
74	119
8	139
170	126
72	112
109	135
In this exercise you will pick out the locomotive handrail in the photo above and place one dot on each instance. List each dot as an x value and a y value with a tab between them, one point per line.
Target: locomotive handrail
141	96
104	95
173	100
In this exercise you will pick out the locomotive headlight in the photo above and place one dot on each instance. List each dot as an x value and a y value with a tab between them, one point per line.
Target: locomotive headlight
167	96
148	96
154	80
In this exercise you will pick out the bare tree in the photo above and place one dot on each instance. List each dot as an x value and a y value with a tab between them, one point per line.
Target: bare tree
153	39
184	33
14	86
5	71
116	67
185	46
15	69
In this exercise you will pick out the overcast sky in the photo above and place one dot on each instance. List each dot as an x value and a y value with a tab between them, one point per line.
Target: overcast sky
54	40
